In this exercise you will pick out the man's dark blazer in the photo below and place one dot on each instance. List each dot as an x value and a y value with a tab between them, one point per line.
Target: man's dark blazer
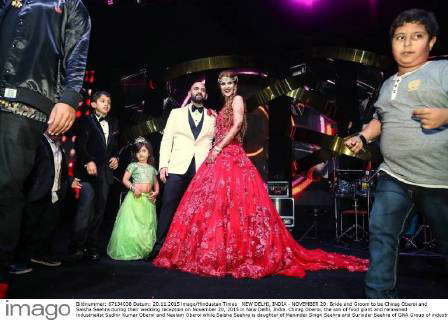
91	145
40	182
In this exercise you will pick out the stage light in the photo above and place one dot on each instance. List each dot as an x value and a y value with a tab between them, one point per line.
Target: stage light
308	3
256	153
263	110
70	168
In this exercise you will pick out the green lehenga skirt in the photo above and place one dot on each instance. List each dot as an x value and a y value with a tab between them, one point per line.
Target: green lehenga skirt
134	232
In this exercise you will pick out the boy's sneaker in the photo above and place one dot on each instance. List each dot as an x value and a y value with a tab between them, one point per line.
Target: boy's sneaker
19	268
46	261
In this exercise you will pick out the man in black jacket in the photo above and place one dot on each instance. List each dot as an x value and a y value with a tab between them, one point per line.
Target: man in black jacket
96	148
43	53
45	189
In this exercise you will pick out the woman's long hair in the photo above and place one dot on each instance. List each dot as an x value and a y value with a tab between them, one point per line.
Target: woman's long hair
228	101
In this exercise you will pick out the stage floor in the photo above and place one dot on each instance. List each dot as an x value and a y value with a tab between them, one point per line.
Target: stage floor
421	276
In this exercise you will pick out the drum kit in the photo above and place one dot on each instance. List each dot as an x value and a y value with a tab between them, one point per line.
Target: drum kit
352	191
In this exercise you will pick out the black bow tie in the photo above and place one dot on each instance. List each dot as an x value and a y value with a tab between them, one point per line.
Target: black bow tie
102	119
194	108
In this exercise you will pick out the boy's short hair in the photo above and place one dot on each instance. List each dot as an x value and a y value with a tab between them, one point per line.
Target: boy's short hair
98	94
426	18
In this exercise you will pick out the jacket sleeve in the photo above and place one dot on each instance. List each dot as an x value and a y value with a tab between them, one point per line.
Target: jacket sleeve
33	185
166	144
76	35
81	143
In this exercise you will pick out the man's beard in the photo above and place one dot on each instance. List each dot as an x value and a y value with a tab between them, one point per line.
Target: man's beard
200	100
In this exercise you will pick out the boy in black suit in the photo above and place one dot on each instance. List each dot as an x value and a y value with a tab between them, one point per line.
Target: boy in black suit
96	148
45	189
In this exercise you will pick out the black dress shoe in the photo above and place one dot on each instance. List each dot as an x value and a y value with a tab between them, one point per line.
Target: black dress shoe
93	255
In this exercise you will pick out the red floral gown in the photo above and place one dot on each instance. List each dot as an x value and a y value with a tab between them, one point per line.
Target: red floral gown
226	224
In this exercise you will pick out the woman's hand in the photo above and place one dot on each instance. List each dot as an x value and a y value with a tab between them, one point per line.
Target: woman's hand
212	156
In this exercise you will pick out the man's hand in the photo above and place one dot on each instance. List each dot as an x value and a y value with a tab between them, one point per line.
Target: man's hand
113	163
61	118
163	174
91	168
354	144
431	118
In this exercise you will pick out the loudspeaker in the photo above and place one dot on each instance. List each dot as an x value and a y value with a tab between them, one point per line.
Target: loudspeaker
285	208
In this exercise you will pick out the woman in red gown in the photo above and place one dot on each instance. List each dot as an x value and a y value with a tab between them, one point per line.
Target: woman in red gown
226	224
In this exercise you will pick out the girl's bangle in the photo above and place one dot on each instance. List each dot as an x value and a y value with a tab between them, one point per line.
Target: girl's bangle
131	187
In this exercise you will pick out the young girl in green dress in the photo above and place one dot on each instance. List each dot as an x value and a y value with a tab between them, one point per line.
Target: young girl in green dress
134	231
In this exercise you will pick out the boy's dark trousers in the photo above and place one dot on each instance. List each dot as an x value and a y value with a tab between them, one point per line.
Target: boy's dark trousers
90	212
40	220
19	140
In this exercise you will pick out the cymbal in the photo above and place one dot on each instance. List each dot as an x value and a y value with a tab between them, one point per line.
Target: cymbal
275	90
293	87
151	125
334	144
363	57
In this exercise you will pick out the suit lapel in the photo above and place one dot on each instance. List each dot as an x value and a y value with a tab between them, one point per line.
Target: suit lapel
111	130
186	119
97	126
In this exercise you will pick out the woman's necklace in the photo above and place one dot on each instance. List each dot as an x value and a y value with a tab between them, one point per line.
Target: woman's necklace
17	3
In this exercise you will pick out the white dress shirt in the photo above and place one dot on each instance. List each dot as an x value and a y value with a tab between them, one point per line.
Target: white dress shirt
104	125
